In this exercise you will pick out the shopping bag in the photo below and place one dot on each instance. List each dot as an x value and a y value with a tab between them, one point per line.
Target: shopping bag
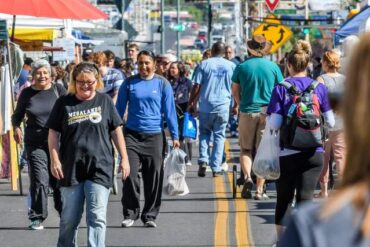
174	173
190	126
266	162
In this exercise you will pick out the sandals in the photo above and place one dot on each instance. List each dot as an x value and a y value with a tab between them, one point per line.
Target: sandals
320	195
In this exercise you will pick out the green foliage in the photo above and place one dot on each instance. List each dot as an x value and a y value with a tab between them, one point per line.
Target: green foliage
195	12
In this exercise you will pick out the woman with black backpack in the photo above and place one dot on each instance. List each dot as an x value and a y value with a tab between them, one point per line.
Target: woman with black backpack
299	107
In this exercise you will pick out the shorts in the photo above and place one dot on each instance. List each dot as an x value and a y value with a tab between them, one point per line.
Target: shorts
250	131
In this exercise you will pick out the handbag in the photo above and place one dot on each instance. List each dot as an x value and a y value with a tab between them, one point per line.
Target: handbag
190	126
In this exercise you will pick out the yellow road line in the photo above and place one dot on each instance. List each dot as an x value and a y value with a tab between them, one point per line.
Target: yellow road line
242	224
221	233
242	233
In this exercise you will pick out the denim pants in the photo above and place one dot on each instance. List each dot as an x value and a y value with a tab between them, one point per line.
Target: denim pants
73	199
212	123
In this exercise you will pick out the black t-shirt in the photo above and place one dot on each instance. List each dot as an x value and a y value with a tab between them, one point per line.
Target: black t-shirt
85	140
36	105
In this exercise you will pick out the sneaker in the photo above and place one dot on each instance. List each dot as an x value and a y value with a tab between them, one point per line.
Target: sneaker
247	189
261	196
188	164
225	167
218	174
150	223
36	225
202	170
127	223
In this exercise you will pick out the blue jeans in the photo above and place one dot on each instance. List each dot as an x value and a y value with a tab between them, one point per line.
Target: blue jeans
73	199
212	123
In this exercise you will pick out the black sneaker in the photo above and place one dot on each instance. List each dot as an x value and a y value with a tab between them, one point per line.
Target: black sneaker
247	189
218	174
202	169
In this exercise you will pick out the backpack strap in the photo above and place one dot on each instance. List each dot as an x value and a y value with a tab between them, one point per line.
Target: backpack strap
312	86
290	87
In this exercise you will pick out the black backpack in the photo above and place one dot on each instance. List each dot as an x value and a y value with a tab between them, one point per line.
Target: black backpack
304	126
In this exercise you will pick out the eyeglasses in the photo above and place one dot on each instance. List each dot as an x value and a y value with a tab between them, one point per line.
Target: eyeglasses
81	83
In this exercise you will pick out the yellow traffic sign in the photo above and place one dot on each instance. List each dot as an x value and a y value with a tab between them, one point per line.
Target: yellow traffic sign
275	32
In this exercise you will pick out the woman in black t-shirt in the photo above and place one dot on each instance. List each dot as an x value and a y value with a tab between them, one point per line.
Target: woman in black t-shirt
35	103
81	127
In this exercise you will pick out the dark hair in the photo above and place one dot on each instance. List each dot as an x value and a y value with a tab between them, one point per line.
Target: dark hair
117	62
28	61
129	64
147	53
218	49
109	54
182	69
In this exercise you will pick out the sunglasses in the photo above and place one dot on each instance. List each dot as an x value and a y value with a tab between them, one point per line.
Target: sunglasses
88	83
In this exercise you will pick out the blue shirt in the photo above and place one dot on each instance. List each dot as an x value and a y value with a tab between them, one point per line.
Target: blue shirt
214	77
23	77
113	79
147	104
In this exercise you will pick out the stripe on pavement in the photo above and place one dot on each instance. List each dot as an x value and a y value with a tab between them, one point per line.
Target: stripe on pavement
221	234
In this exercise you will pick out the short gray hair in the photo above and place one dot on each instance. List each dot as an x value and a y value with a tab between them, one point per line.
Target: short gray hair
39	64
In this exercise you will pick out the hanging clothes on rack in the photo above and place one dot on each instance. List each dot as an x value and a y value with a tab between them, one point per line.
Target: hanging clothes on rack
6	98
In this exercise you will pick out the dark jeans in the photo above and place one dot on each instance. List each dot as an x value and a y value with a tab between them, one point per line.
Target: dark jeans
144	151
40	179
299	172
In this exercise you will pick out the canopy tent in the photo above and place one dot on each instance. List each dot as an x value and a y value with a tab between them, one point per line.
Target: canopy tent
31	34
25	21
43	26
351	26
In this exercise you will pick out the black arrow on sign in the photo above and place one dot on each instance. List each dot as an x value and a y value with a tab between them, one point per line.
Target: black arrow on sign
281	35
266	27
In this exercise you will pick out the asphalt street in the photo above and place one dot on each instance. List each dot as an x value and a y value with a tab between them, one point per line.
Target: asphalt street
208	216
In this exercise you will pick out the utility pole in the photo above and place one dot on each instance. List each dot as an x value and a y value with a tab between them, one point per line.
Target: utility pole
246	20
123	15
178	31
209	23
307	15
162	27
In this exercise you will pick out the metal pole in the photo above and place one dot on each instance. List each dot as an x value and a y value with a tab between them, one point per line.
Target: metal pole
178	25
246	20
209	22
123	14
13	28
162	28
307	36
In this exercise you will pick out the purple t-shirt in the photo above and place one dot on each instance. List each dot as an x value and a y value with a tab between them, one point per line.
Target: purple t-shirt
281	100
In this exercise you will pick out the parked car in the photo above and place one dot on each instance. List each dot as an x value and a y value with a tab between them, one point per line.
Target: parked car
215	38
200	44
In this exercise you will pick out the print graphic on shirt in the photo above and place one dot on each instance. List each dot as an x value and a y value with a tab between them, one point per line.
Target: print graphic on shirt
220	71
93	115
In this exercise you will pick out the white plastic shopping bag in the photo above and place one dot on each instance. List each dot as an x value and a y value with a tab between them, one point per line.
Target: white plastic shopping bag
266	163
175	172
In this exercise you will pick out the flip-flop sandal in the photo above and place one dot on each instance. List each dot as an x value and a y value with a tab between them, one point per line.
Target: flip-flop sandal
319	195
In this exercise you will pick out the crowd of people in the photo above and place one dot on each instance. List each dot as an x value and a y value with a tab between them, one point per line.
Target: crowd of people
73	116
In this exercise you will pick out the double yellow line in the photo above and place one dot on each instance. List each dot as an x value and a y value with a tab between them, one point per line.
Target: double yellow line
223	219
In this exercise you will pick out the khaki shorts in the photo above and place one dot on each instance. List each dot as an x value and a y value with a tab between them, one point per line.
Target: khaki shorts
250	131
